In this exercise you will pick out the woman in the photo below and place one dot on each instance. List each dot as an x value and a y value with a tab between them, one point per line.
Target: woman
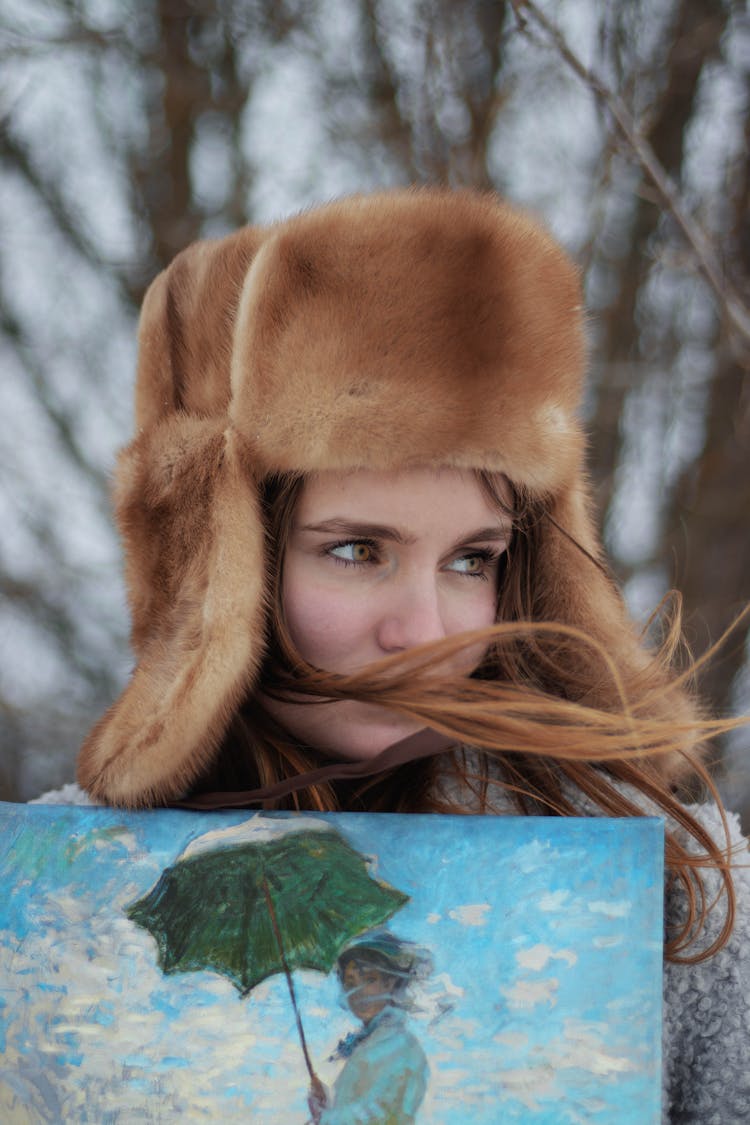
384	1076
358	438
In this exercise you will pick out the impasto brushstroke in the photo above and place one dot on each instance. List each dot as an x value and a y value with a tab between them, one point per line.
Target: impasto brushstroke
466	968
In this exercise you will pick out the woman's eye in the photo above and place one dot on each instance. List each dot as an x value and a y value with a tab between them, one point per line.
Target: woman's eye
476	563
354	552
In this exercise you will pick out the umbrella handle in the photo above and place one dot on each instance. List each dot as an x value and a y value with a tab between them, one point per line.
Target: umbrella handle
290	983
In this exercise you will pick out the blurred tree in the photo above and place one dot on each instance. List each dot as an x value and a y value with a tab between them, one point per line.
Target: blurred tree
702	542
707	524
669	97
132	129
157	93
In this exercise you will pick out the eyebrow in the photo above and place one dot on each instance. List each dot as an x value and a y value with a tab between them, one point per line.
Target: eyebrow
493	533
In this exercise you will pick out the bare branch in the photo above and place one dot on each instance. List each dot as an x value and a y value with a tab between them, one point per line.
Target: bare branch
64	215
59	625
730	302
60	419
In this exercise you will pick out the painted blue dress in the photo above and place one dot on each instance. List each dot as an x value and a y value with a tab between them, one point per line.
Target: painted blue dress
384	1078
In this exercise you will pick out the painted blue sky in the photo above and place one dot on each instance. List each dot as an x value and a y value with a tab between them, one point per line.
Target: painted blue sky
544	1005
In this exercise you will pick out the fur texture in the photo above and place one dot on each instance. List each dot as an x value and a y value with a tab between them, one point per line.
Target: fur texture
409	328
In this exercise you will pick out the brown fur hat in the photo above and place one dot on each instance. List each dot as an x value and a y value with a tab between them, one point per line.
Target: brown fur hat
418	327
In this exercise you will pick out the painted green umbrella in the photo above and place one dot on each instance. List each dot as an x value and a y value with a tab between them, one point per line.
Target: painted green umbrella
267	896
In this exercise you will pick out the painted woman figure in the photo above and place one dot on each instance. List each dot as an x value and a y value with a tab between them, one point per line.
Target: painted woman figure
384	1077
364	574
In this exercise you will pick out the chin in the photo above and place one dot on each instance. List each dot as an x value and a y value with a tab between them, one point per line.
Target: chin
363	730
346	729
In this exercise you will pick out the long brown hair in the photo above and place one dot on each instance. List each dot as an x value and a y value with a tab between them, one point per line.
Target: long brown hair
555	727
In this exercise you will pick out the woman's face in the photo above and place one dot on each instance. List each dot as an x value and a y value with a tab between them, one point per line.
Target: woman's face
378	563
368	989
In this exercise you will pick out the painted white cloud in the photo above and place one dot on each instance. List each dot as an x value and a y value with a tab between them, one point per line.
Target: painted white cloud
474	914
603	942
529	1085
516	1040
446	985
455	1033
129	1051
534	856
437	999
103	839
538	956
611	909
585	1046
537	1081
529	993
553	900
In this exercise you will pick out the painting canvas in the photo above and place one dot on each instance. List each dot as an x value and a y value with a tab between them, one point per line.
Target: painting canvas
276	967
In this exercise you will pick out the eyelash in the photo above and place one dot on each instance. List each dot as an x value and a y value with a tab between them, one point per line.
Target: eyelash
371	543
486	554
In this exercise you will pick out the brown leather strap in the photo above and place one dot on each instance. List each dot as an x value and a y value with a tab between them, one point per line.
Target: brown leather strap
423	744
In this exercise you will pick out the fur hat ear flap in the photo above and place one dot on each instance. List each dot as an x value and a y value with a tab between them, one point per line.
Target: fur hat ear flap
189	511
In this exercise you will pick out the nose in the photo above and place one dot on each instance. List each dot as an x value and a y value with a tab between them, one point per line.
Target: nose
411	617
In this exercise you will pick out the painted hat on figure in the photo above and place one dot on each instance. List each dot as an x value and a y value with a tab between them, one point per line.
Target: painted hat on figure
404	959
410	328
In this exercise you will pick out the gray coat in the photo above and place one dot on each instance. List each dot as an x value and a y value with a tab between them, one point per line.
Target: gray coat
706	1076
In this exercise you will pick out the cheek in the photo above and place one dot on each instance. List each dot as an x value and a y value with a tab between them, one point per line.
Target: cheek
475	608
326	626
379	988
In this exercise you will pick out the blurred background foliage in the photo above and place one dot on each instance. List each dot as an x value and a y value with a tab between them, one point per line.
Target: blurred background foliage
132	127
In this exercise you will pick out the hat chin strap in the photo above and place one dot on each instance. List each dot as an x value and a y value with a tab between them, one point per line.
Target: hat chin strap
424	744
